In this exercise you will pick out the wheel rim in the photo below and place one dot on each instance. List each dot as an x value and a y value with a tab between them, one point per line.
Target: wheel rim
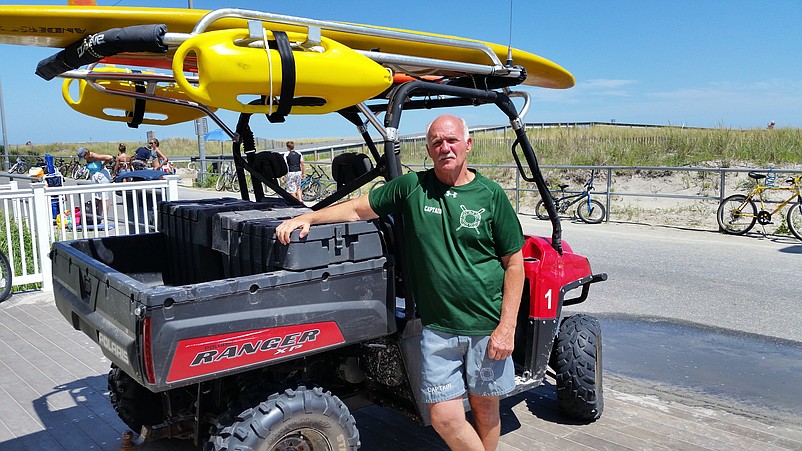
305	439
736	215
591	212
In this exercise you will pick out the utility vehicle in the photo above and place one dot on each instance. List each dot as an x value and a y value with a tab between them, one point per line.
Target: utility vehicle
219	334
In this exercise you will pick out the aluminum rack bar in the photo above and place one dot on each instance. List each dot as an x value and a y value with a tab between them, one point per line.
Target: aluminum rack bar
92	77
212	16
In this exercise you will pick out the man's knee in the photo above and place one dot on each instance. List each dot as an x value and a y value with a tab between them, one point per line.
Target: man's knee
447	415
485	410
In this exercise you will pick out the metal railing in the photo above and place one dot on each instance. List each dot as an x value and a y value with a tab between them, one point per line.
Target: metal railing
35	217
511	181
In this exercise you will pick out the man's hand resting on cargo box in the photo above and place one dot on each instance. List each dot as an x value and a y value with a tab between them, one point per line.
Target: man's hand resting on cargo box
353	210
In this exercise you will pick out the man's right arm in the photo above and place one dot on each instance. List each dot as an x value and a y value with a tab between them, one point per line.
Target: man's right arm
353	210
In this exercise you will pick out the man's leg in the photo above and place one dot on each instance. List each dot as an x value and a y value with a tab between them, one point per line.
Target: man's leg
448	419
485	411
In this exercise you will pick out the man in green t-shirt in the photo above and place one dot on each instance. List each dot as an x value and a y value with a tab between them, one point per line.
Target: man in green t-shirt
463	254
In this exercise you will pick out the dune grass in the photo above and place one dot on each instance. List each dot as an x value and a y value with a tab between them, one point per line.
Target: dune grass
578	146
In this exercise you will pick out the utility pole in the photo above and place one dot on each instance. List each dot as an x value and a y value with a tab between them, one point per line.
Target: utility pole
201	129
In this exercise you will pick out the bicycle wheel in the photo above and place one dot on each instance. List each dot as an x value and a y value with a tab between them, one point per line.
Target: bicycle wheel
311	190
540	210
736	215
591	213
794	218
220	184
327	190
233	182
5	277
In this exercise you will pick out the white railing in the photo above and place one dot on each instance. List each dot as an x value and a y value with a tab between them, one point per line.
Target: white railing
35	217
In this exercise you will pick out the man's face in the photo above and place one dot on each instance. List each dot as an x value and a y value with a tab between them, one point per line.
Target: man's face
447	145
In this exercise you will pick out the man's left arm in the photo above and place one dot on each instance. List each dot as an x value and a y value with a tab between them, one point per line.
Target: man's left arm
502	340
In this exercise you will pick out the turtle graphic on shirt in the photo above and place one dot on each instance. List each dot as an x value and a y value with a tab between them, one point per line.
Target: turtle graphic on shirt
470	219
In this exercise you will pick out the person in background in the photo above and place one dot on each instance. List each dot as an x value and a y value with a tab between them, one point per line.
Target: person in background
159	159
123	162
95	163
140	159
771	125
468	305
295	166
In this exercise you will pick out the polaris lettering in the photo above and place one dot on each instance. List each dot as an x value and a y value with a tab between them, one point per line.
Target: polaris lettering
114	348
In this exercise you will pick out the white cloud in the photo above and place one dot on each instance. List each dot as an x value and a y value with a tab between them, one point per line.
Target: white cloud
601	83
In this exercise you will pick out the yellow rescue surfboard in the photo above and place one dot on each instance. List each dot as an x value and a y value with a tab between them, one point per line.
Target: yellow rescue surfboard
83	98
60	26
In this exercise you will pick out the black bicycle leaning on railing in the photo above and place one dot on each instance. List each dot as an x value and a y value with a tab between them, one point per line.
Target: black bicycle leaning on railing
589	210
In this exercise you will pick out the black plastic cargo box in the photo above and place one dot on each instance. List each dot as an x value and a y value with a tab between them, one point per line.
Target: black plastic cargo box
188	227
248	240
111	289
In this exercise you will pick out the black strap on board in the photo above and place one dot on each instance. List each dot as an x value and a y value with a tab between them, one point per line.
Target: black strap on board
139	105
287	78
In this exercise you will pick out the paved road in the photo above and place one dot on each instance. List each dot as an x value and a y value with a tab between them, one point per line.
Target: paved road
743	283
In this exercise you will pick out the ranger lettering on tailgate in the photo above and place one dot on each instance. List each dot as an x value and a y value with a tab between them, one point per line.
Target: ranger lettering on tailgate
204	355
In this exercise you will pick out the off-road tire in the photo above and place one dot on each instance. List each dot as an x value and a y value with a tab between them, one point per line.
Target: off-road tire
595	215
311	418
794	219
577	362
729	215
134	404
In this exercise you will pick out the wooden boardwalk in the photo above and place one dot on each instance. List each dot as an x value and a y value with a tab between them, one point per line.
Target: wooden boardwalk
53	397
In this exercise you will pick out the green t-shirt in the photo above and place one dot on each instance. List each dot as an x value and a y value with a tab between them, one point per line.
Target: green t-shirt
454	237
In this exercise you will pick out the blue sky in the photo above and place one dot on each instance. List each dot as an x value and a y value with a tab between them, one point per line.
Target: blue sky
707	63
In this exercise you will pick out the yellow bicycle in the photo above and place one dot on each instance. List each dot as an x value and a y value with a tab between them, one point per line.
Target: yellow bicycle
737	214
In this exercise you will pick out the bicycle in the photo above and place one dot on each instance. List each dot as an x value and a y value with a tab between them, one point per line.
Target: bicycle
737	214
313	187
68	166
227	179
20	167
80	172
5	277
589	210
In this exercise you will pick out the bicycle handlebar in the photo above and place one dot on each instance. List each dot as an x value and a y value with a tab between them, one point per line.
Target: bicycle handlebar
589	183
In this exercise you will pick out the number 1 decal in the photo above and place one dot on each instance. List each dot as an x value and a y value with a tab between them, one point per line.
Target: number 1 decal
548	299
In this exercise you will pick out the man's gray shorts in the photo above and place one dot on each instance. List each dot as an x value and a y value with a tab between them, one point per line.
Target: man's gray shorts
449	361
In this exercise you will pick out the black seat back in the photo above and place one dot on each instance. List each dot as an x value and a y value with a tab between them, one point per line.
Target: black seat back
270	164
349	166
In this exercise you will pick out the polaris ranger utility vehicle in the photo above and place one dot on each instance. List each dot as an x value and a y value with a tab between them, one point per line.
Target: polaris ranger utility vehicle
219	334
